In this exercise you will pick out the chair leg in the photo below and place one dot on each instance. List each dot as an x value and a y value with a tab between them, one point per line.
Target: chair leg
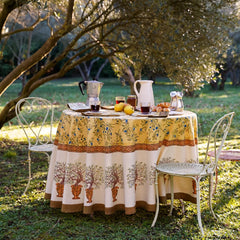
172	194
48	156
29	173
216	181
157	200
211	193
183	205
198	205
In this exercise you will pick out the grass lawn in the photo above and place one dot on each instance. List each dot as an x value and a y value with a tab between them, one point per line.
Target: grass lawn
30	216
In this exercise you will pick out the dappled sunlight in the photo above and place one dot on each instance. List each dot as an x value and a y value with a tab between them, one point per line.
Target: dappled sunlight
222	96
70	84
14	176
232	143
17	134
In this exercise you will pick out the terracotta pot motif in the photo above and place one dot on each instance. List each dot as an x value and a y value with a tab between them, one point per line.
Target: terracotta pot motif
114	193
194	187
76	191
89	194
60	188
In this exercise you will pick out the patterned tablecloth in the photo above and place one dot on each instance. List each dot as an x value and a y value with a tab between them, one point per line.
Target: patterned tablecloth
107	163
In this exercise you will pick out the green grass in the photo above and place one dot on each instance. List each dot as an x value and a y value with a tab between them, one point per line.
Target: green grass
30	216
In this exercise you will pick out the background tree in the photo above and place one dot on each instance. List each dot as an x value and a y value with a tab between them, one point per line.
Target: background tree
86	69
183	41
76	23
228	65
180	38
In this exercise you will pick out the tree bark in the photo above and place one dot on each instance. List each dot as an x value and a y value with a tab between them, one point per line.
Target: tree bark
9	6
8	111
126	72
28	63
100	69
41	53
128	75
223	80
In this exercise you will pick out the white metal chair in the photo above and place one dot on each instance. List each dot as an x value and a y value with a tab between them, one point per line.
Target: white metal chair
35	116
197	171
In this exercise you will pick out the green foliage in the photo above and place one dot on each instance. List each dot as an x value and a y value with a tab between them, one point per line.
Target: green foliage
30	216
183	40
10	154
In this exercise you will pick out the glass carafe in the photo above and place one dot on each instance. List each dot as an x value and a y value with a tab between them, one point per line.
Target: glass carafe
176	101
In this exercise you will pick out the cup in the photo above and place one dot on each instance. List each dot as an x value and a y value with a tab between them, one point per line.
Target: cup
145	107
94	105
120	99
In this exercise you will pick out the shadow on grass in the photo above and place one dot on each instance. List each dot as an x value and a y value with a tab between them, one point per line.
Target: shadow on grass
33	217
30	216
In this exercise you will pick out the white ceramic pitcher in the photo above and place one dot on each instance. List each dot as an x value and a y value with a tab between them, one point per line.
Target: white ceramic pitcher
145	94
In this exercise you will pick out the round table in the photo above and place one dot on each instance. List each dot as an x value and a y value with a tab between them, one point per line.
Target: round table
107	163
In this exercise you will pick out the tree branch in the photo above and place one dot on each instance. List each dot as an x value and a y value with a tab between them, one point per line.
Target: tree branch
8	7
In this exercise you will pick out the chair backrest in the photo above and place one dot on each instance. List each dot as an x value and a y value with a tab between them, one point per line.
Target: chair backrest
35	116
216	138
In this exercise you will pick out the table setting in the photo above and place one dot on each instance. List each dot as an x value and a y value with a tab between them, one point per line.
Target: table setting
104	157
142	102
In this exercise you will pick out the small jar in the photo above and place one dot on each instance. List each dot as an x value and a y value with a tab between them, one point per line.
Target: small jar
132	100
120	99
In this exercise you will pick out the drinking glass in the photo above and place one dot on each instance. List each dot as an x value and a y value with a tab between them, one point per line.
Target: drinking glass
95	105
145	107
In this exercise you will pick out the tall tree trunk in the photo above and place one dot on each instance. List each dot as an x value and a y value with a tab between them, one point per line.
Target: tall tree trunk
126	72
82	73
100	69
223	80
234	77
128	75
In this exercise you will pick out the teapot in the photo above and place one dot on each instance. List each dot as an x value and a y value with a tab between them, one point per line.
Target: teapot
93	90
145	94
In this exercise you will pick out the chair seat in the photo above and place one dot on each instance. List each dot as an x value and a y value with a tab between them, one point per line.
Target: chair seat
185	169
42	148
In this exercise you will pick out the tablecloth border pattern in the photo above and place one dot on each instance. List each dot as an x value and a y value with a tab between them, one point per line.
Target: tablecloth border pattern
71	208
125	149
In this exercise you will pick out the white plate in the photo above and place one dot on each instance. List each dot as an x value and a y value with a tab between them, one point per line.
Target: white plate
110	107
103	113
141	114
171	113
159	114
151	115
